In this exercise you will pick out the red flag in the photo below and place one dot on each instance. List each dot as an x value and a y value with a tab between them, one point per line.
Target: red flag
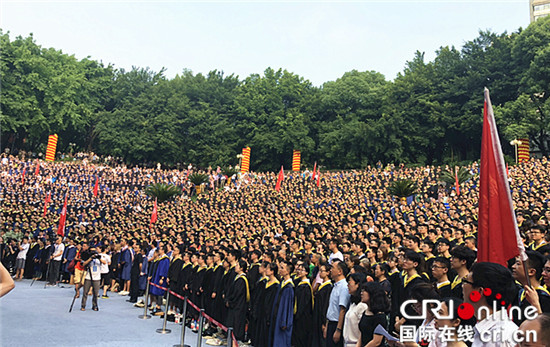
314	169
498	234
456	182
280	179
23	176
507	172
62	219
96	186
318	179
46	202
154	215
37	170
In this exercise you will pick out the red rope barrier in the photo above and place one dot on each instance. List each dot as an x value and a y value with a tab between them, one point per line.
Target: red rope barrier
210	319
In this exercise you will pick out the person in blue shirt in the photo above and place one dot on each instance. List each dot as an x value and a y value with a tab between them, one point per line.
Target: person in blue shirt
338	304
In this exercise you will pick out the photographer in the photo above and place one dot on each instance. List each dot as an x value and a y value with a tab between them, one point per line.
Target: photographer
91	263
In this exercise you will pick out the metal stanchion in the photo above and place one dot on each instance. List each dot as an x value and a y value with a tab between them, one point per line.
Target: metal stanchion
145	315
164	330
230	337
184	314
201	323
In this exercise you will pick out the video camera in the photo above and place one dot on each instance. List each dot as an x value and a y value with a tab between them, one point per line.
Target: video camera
90	254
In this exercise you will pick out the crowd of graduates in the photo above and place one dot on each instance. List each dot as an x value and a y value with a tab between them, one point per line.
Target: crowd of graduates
310	265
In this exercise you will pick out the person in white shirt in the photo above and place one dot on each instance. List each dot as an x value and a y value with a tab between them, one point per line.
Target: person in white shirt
21	258
491	280
335	252
351	332
104	270
57	255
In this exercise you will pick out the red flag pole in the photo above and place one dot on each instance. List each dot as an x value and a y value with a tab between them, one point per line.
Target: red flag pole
46	202
318	178
96	186
456	182
154	215
62	219
37	170
498	233
280	179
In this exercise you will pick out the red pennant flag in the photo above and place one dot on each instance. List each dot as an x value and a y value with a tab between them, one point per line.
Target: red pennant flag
154	215
314	169
96	186
46	202
23	176
37	170
507	172
62	219
456	182
280	179
498	233
318	179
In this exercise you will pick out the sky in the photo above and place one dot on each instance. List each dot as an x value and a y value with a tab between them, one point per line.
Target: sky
318	40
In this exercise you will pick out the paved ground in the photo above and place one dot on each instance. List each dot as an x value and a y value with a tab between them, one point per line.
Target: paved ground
34	316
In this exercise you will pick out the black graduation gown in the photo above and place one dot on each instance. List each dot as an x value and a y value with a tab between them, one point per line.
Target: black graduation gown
45	261
301	330
253	275
227	280
266	305
237	300
445	290
173	275
198	278
456	288
320	307
217	304
29	263
207	284
521	301
395	281
255	306
184	278
406	288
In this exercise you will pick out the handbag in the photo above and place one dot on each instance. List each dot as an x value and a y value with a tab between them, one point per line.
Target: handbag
70	267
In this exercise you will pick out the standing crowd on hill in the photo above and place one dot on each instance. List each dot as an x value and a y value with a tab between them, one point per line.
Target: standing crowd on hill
310	265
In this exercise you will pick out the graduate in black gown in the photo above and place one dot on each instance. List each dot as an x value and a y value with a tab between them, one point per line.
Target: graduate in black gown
255	304
207	285
184	278
217	277
173	276
413	267
237	299
303	296
29	263
320	306
266	300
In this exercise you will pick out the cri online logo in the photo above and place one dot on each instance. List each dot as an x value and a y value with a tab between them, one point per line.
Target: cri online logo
466	310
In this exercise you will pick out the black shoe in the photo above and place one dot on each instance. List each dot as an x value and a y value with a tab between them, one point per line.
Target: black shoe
132	301
95	308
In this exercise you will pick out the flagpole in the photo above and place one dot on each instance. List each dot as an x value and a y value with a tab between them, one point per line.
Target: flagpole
526	272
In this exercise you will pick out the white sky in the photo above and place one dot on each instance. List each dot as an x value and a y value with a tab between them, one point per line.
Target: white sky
318	40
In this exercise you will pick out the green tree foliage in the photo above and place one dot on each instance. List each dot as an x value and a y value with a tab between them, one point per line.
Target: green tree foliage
448	176
430	114
403	188
163	192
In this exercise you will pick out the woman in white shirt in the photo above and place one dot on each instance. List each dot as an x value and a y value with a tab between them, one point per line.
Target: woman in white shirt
351	331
